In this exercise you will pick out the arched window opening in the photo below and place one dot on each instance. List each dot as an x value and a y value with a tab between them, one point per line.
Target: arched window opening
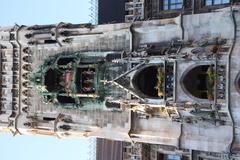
149	81
85	77
52	80
199	82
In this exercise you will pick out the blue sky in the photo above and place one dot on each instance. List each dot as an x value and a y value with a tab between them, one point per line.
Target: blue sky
43	11
30	12
43	148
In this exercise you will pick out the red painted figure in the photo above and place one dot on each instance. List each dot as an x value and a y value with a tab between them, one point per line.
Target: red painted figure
88	72
68	79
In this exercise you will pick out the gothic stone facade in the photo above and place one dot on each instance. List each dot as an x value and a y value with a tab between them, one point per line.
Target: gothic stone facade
155	9
173	82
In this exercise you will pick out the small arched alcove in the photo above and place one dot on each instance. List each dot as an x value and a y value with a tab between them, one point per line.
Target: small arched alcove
199	82
147	81
52	80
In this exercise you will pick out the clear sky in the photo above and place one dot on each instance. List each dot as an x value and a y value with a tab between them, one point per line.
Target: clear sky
30	12
43	11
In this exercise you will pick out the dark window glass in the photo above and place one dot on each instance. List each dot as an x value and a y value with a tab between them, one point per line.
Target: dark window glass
216	2
172	4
